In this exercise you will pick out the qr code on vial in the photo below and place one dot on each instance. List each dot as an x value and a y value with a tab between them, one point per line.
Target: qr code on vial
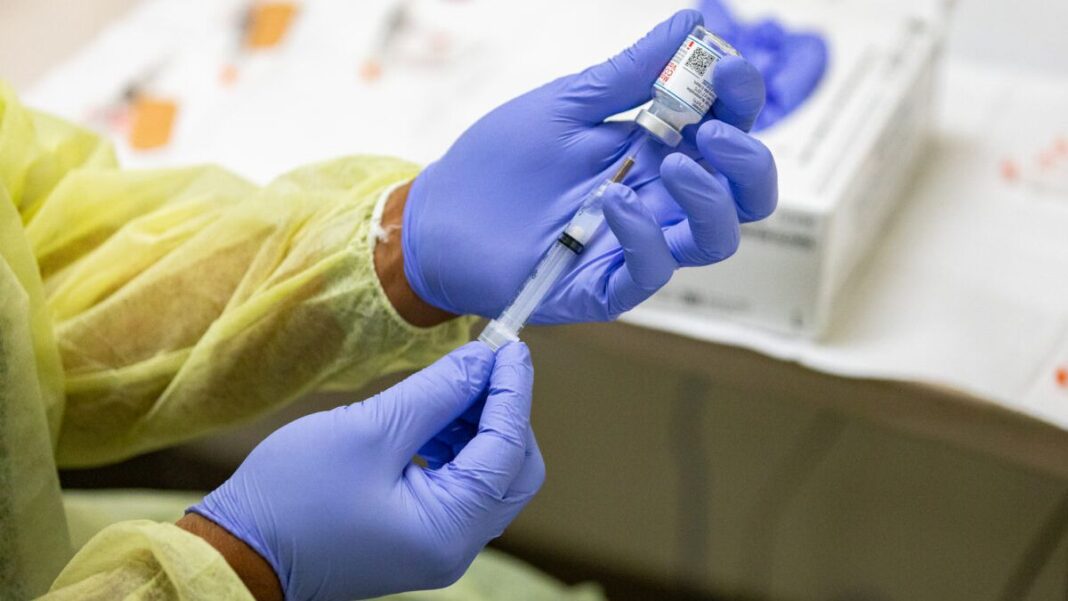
699	61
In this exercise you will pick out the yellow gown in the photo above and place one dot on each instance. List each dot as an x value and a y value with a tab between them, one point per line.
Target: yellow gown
142	308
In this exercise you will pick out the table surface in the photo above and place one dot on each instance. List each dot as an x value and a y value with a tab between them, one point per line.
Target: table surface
37	35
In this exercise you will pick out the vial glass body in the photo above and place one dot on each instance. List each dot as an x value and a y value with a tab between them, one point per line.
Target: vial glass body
684	93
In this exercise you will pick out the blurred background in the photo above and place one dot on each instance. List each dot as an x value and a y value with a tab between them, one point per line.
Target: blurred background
869	402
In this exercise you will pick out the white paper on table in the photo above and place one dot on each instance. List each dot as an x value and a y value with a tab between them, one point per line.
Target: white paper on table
969	287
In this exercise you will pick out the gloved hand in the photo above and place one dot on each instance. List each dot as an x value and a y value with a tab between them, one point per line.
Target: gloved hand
335	505
793	63
477	221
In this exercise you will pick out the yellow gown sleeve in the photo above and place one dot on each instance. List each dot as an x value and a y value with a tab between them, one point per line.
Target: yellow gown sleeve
147	561
219	303
186	300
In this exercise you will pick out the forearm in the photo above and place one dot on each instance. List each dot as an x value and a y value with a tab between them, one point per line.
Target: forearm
250	567
389	265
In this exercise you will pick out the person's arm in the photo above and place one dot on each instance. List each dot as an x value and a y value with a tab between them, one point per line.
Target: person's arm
185	300
274	296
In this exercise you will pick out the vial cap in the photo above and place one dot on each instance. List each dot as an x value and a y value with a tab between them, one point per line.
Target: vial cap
658	128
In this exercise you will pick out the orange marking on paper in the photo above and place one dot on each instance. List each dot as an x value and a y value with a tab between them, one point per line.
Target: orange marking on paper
152	122
268	23
371	70
228	75
1009	170
1062	377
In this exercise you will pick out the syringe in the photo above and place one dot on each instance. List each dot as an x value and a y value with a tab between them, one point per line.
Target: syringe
559	259
682	95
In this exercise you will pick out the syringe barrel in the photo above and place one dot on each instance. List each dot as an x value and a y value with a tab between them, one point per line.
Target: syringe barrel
557	261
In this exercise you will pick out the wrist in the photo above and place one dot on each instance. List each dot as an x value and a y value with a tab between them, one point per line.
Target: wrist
389	266
250	566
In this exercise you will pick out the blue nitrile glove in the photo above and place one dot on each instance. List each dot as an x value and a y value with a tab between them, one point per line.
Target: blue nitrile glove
793	63
477	221
335	505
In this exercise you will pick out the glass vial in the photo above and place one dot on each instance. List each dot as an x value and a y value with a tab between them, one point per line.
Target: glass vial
683	93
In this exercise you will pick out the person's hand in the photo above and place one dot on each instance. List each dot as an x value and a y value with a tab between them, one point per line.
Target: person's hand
336	506
477	221
793	63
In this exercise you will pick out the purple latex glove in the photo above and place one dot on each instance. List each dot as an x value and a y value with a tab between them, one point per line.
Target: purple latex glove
335	505
477	221
793	63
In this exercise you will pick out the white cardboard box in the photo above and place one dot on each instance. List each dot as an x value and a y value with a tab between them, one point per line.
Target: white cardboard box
844	159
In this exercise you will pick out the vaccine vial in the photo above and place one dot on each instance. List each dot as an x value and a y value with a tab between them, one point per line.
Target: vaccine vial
683	93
